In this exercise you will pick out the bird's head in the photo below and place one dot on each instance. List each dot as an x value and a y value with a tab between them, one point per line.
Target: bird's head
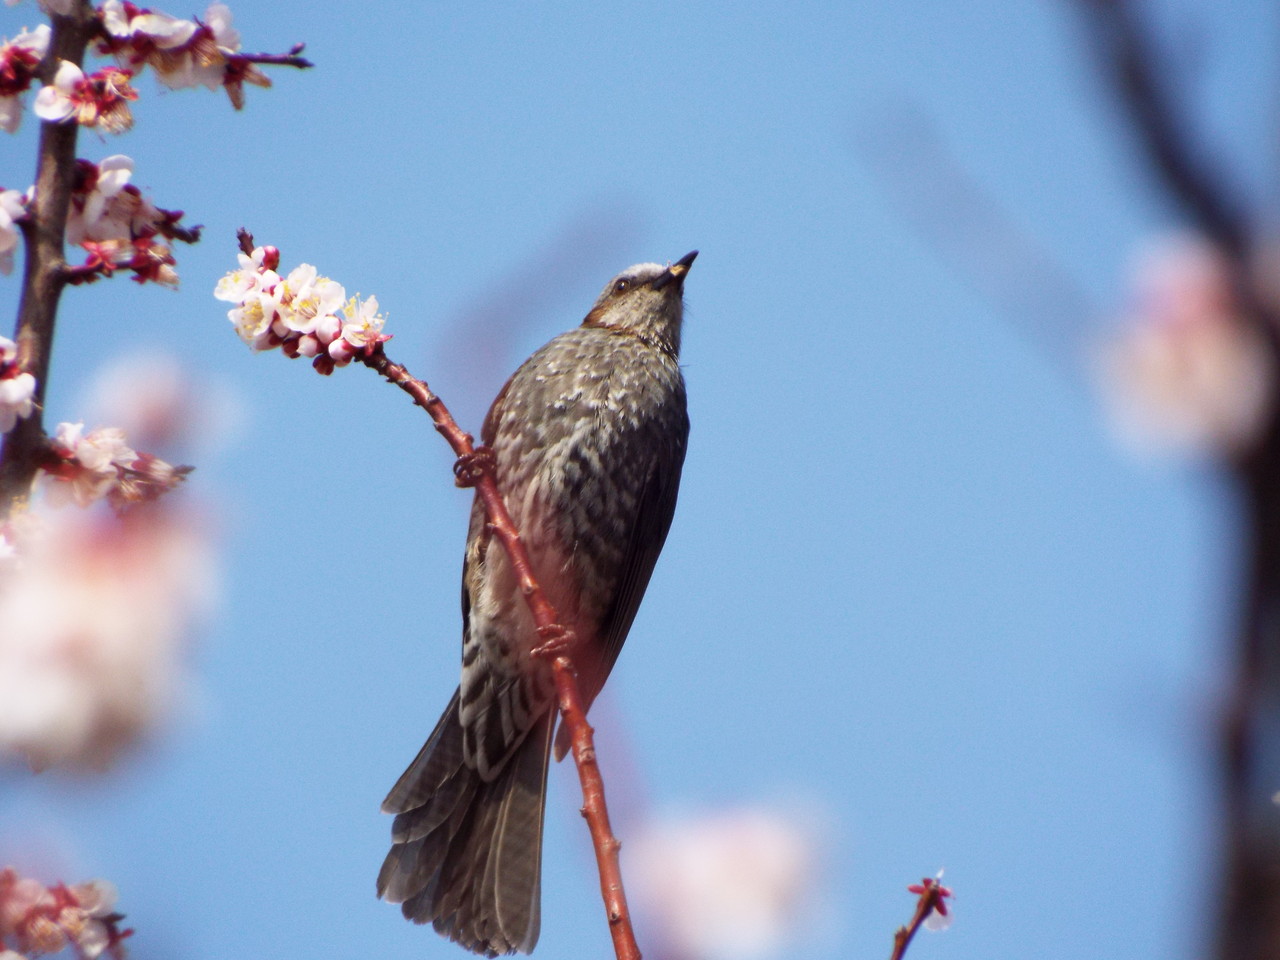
646	300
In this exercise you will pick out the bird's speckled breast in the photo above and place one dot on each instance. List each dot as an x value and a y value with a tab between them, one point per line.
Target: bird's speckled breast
576	434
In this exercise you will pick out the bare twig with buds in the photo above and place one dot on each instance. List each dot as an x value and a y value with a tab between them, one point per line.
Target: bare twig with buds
932	902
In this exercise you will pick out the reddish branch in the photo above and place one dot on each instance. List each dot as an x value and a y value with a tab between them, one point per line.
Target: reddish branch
44	272
474	468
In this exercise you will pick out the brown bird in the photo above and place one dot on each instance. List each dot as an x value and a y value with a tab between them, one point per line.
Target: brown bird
588	439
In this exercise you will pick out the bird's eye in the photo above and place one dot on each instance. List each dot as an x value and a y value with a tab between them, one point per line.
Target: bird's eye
621	285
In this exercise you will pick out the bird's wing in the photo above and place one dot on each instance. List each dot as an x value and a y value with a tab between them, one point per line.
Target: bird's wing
655	509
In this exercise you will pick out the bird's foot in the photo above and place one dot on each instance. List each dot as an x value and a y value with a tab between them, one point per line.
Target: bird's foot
470	467
556	640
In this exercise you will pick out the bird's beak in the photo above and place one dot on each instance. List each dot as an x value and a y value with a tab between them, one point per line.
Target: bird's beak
675	272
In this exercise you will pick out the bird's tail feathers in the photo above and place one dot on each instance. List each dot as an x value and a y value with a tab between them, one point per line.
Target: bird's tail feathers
466	855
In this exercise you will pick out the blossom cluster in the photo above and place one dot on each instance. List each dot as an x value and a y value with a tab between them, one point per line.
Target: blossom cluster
87	467
118	227
19	59
17	389
35	919
304	314
183	53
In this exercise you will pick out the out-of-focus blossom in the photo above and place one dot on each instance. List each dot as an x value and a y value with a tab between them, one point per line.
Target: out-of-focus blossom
100	99
13	209
299	314
162	403
19	58
726	886
36	919
17	389
92	624
98	464
1187	375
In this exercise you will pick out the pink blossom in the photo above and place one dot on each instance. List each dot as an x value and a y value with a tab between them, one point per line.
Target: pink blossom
43	920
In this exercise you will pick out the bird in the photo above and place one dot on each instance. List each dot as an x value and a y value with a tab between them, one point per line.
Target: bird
587	440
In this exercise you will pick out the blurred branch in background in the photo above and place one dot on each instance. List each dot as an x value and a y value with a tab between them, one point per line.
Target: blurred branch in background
968	227
1249	919
1194	372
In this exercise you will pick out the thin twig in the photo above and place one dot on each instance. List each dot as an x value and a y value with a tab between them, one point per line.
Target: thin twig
557	639
44	275
290	59
966	224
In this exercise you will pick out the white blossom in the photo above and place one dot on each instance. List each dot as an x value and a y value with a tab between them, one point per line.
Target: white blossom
311	299
17	389
218	19
362	324
101	215
58	102
17	399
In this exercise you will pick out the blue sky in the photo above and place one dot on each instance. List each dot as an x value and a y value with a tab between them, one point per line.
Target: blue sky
911	580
